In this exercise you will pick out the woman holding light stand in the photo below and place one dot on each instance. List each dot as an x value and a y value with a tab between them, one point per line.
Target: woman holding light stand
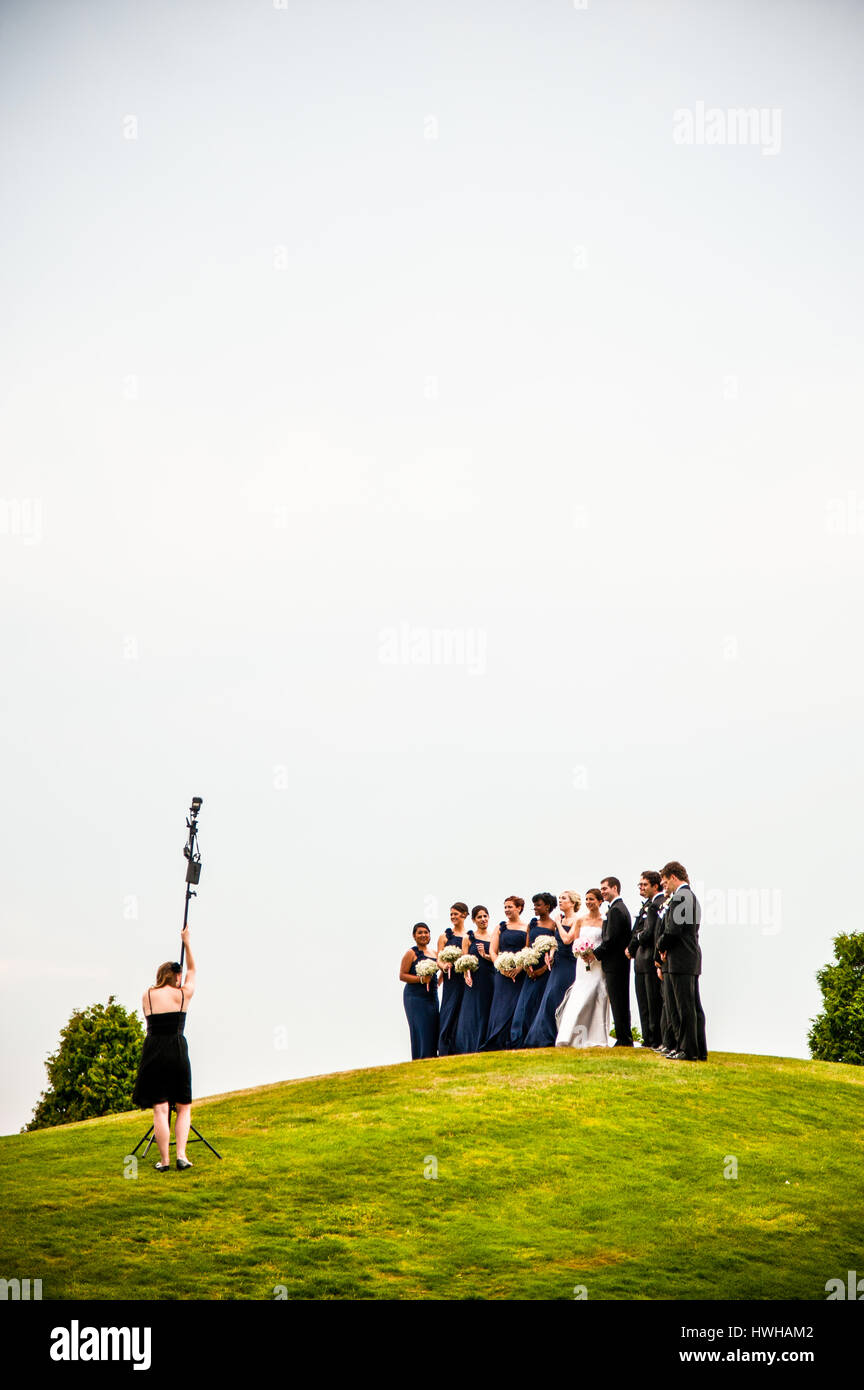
164	1078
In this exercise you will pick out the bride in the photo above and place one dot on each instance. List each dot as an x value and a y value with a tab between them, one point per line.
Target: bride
583	1018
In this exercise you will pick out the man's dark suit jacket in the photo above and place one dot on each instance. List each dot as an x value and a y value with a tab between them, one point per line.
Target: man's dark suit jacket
642	939
615	939
679	933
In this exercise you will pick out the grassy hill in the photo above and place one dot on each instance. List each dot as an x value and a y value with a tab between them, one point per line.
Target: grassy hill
555	1169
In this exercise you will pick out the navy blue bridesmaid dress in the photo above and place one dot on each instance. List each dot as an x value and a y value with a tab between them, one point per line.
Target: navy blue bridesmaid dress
421	1009
532	991
505	993
544	1029
477	999
451	1003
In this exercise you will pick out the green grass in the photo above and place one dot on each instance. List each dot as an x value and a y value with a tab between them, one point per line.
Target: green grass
554	1169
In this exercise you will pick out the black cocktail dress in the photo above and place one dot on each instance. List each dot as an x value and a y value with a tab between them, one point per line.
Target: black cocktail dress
164	1073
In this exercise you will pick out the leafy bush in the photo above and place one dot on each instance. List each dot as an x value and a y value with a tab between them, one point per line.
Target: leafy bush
837	1034
634	1033
94	1068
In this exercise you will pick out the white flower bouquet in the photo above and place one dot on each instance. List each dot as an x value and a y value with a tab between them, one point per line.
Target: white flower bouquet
425	970
507	961
466	965
448	957
544	946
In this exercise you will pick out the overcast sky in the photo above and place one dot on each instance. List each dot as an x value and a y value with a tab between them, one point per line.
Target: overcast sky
432	435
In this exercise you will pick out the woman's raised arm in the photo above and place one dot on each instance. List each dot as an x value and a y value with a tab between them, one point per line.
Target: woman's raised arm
189	982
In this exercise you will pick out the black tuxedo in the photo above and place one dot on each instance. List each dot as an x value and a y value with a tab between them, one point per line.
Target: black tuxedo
649	993
616	968
670	1023
679	933
678	936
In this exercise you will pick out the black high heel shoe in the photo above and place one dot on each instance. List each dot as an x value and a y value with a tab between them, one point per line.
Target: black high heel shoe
161	1167
183	1164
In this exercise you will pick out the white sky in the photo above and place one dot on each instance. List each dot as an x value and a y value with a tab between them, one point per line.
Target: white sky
396	319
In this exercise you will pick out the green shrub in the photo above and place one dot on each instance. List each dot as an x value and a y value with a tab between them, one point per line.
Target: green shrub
837	1034
94	1068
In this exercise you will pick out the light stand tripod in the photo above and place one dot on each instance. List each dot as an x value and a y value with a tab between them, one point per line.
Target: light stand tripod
193	874
149	1138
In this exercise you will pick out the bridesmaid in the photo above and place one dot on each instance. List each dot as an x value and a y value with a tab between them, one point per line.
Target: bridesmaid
544	1029
511	935
454	986
421	1003
535	976
477	999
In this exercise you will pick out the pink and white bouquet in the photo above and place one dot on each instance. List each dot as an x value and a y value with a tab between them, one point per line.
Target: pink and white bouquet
583	947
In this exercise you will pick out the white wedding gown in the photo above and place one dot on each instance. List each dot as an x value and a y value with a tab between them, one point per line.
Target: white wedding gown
583	1017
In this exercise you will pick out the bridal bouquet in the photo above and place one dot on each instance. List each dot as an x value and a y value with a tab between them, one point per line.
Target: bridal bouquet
507	961
448	956
466	965
425	969
582	947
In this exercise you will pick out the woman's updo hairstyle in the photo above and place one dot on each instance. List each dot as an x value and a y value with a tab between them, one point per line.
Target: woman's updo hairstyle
548	898
575	898
166	973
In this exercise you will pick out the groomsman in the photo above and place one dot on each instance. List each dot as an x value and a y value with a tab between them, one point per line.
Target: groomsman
611	951
649	995
669	1021
679	941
